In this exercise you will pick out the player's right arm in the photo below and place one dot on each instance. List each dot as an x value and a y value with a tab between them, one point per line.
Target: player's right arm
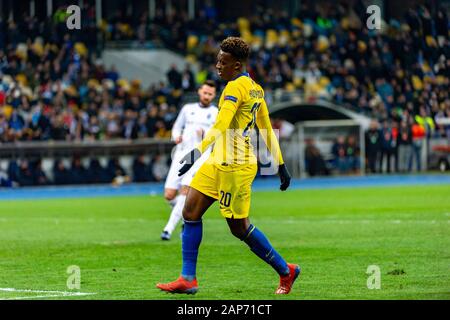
178	126
233	96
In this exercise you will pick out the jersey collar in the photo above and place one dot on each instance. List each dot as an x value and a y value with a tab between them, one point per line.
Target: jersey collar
245	74
202	106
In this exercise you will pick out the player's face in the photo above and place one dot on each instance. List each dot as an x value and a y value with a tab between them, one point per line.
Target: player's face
206	94
227	66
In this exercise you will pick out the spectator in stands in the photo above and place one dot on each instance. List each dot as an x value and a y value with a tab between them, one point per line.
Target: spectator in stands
404	142
4	128
352	152
5	181
160	169
115	170
339	154
418	135
161	130
141	171
58	130
442	120
152	120
13	171
315	164
96	173
187	79
373	146
26	176
130	125
395	127
78	173
61	174
174	77
40	125
39	176
112	74
16	125
388	144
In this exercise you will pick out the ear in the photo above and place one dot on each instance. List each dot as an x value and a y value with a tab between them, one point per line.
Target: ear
237	65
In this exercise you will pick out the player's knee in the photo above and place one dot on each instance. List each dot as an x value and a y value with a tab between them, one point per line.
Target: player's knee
238	231
189	214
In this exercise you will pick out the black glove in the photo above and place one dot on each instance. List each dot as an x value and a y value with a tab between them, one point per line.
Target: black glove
285	177
189	160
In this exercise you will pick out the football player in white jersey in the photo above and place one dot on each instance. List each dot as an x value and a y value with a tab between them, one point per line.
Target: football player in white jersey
193	121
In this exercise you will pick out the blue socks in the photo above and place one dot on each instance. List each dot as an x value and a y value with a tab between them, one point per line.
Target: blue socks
261	246
255	239
191	238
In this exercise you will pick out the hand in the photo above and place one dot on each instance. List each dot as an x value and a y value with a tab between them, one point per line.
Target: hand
285	177
189	160
178	139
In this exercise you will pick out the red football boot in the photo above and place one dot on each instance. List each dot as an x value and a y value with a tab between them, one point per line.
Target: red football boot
287	281
181	285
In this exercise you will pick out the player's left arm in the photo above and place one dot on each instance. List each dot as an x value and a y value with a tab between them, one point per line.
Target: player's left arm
271	141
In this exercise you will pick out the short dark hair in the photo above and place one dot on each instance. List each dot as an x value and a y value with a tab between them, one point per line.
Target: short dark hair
237	47
209	83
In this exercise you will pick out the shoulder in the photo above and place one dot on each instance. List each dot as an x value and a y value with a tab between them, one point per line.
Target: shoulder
235	90
245	84
237	84
188	106
214	109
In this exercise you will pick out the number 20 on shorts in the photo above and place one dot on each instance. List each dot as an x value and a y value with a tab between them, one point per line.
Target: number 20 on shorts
225	198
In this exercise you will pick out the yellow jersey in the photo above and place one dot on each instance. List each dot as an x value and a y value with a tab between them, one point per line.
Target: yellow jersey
241	106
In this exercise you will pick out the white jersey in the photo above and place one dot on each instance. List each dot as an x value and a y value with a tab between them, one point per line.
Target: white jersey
192	124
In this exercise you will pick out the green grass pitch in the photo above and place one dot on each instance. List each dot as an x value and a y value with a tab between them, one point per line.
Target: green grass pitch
334	234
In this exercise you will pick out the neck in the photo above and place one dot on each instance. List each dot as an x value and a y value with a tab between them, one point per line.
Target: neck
239	72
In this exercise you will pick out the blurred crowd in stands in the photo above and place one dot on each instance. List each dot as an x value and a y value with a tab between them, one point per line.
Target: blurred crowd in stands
54	86
326	51
84	171
389	148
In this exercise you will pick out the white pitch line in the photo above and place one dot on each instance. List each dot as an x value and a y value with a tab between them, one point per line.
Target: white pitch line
51	294
39	297
363	221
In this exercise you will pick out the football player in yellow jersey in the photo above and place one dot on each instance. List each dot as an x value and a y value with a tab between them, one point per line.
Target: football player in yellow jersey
228	173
